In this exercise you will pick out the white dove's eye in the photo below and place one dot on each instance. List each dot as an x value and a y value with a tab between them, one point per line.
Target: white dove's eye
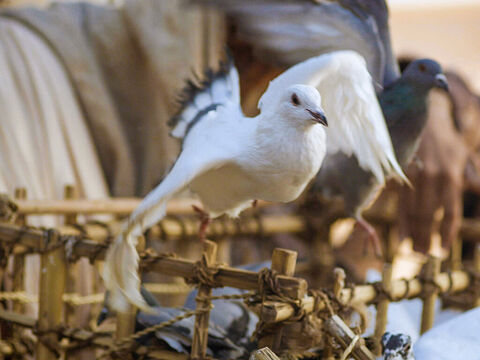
295	100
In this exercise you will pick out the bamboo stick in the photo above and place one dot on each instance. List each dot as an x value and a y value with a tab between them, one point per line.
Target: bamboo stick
469	230
456	254
69	193
272	311
32	238
75	334
264	354
18	260
200	333
476	264
125	325
245	279
242	279
432	268
345	336
18	319
382	306
5	349
238	278
53	269
188	227
283	262
181	228
114	206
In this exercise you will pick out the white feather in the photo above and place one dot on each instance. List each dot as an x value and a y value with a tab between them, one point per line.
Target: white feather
223	89
121	263
356	122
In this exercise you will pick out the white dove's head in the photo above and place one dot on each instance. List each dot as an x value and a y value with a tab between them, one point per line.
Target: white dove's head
302	103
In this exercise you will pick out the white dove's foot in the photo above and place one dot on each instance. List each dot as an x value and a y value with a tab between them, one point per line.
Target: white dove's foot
372	237
205	221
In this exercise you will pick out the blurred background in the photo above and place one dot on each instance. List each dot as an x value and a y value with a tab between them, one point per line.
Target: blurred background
88	88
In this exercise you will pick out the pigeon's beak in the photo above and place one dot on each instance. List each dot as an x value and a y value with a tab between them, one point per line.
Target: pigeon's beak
318	116
441	82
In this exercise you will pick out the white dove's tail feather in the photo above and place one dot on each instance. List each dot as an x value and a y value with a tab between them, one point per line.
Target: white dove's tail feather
121	264
203	96
120	273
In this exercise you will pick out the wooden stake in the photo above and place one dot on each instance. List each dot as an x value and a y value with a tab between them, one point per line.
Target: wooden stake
456	254
339	283
264	354
432	268
19	260
200	334
321	257
283	262
125	323
382	306
69	193
476	263
337	328
111	206
53	271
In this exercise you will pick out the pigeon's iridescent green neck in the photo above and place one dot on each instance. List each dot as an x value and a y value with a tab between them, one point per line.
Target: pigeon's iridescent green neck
405	106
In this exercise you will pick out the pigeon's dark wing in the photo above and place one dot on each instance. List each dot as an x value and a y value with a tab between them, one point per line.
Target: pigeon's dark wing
180	334
288	32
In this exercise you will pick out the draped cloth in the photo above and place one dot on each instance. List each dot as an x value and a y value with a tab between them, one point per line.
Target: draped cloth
126	65
45	143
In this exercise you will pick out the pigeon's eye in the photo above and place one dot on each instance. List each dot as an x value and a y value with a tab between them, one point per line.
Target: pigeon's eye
422	67
295	100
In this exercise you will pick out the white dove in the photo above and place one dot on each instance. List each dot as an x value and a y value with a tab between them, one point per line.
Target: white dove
229	160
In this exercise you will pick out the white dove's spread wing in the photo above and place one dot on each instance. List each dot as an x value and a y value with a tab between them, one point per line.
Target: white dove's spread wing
356	123
209	110
120	271
220	88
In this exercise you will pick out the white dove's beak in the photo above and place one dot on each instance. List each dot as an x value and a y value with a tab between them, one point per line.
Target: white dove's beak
319	117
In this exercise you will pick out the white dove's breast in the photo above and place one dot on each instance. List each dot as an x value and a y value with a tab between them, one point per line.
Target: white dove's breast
275	170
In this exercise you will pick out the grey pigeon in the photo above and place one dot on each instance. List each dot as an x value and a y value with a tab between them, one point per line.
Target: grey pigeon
397	347
404	105
232	315
179	336
230	327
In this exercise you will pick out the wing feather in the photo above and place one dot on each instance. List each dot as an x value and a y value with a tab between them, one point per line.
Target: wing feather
356	123
121	263
203	96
